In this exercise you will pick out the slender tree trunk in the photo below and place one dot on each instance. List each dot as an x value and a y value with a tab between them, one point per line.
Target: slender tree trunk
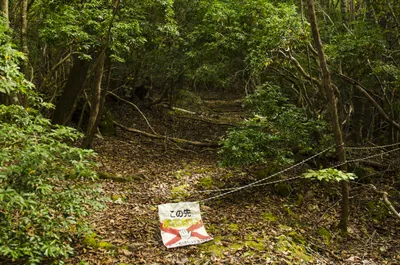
24	37
95	99
343	9
73	88
99	95
4	10
326	79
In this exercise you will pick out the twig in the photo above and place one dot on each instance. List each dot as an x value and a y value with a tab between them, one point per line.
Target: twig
386	201
137	108
157	136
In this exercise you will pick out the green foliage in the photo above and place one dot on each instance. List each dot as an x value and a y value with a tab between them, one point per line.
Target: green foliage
40	208
329	174
272	132
11	79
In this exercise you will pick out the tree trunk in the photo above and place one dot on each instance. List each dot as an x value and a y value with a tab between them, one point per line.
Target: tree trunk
4	10
73	88
343	9
326	79
24	38
96	100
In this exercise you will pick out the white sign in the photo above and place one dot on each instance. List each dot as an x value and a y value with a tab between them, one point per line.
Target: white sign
181	224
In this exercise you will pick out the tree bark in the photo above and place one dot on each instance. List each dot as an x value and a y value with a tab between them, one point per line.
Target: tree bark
326	80
24	38
95	99
4	10
98	94
73	88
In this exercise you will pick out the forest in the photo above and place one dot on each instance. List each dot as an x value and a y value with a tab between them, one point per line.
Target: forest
280	119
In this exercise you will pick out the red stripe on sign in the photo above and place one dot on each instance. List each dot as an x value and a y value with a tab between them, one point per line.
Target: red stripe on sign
177	237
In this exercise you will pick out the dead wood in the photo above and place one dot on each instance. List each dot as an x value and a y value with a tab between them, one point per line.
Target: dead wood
172	139
385	199
208	121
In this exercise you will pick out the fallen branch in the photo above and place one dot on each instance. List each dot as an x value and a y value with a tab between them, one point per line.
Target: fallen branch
136	107
172	139
184	111
386	201
208	121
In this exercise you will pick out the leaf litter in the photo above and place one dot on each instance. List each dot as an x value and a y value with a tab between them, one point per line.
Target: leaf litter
253	226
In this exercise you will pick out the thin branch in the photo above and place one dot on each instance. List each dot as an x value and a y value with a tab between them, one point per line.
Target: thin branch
157	136
386	201
364	91
136	107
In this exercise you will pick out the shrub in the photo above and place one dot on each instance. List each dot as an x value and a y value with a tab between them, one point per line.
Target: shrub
43	194
276	131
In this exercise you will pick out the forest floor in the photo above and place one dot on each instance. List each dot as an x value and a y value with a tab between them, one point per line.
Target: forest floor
290	223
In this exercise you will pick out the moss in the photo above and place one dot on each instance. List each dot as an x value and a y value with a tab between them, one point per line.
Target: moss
206	183
300	200
325	234
180	192
377	210
90	240
270	217
116	197
214	248
297	252
233	227
255	245
236	246
106	245
297	238
291	213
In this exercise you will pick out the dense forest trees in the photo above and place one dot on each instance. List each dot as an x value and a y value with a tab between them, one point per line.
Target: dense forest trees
301	83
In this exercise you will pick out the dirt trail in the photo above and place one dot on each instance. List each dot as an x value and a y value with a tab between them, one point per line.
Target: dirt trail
255	226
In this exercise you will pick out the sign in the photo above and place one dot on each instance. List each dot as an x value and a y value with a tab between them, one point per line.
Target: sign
181	224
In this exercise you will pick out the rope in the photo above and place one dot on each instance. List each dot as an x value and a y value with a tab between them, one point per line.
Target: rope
259	184
365	158
370	147
266	178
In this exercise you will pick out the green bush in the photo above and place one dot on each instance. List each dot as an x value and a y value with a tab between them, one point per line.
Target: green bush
277	130
42	190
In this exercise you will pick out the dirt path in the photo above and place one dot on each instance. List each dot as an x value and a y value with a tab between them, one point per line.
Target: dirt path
255	226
